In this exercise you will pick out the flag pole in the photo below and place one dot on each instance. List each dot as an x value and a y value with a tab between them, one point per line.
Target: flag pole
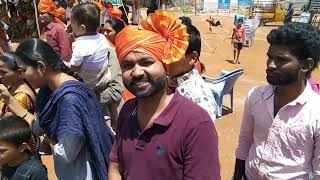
36	14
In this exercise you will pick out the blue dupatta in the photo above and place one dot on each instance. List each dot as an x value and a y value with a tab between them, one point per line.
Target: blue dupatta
98	136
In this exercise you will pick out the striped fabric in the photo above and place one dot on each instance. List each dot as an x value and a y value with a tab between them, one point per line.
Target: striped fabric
34	144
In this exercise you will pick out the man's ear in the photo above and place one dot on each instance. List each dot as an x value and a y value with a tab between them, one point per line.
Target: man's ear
307	65
193	57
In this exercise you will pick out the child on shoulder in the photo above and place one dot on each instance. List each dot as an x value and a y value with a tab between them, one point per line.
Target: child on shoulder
90	49
90	55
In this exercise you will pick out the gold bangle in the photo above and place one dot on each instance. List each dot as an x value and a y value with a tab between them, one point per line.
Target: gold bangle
25	114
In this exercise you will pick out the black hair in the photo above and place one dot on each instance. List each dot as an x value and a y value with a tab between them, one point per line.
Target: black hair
302	39
10	59
186	20
87	14
33	50
14	130
194	39
116	24
240	20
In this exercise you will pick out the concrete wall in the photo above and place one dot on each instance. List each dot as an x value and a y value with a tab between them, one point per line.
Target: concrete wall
210	5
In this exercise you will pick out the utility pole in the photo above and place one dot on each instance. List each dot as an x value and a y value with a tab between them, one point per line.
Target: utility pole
195	7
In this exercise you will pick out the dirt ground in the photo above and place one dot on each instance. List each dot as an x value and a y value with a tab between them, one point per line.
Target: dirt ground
217	51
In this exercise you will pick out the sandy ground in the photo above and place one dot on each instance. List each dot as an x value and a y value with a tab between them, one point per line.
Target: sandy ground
216	53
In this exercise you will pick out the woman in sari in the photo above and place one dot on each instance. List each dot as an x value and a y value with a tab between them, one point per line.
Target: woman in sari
11	79
67	111
18	88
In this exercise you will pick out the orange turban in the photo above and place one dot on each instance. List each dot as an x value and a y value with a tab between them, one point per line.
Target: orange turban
115	13
47	6
60	12
161	36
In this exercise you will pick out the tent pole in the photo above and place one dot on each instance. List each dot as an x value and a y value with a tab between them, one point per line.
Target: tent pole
36	14
125	10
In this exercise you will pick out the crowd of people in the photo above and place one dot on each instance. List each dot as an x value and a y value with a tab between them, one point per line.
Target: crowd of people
119	101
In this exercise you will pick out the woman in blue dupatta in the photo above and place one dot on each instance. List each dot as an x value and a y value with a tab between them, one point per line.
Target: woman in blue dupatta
67	112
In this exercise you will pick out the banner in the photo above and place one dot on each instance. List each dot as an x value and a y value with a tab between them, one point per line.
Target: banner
244	3
224	4
114	2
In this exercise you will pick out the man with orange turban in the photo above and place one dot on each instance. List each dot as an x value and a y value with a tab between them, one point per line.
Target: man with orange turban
52	28
161	134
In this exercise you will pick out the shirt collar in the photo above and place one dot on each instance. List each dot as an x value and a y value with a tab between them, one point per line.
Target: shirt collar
187	76
301	99
50	25
167	115
304	96
87	37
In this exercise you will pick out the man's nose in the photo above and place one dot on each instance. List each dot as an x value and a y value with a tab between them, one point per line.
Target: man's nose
271	64
137	71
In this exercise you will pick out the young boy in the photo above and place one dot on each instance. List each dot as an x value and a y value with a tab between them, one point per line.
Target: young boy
16	160
237	40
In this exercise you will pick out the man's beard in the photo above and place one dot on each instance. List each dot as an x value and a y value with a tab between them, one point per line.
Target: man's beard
280	79
155	85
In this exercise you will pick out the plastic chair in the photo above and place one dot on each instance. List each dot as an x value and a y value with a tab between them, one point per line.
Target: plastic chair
223	85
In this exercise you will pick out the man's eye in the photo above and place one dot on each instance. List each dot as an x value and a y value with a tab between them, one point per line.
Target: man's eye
127	66
146	63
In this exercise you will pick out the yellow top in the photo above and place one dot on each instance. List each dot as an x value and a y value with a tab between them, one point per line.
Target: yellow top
24	99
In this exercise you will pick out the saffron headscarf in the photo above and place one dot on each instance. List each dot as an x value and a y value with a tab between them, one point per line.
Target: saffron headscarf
47	6
114	13
60	12
161	35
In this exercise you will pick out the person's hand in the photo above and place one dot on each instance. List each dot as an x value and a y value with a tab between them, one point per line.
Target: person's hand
239	170
5	94
44	38
47	140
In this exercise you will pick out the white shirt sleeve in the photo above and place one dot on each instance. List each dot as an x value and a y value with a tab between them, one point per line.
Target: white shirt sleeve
77	56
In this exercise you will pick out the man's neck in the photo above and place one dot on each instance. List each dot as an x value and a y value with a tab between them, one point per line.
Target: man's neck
288	93
150	108
45	24
185	72
19	159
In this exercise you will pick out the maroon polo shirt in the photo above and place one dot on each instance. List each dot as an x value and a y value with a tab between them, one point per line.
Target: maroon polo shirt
57	37
181	144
